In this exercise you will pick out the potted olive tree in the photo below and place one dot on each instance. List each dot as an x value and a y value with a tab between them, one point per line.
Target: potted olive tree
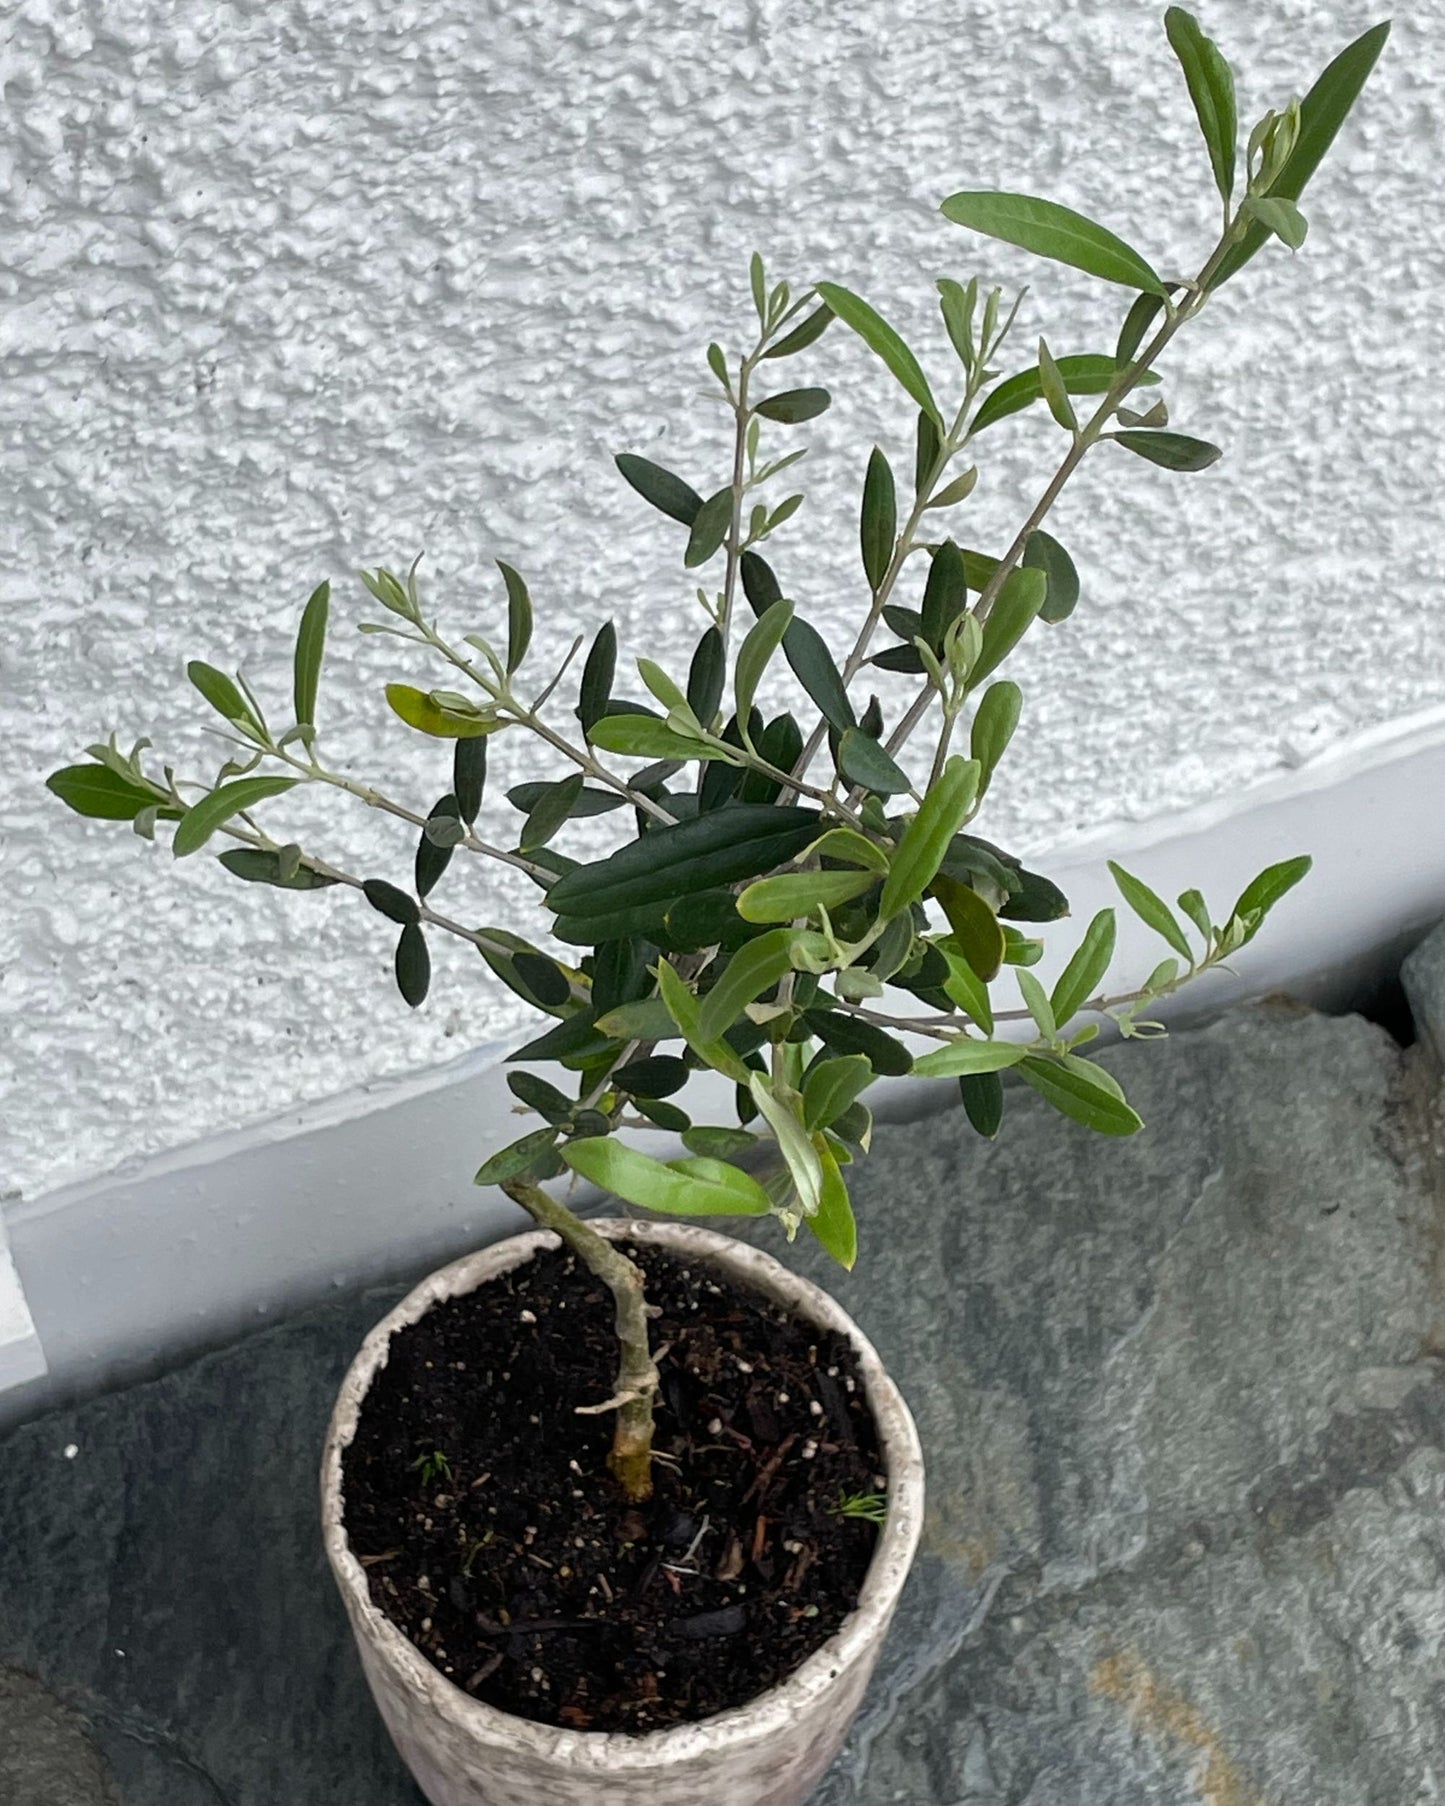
620	1509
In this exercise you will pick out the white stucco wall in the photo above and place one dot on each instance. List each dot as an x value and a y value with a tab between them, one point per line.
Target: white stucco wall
285	289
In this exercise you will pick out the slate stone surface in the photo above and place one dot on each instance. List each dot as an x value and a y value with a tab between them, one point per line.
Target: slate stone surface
1183	1398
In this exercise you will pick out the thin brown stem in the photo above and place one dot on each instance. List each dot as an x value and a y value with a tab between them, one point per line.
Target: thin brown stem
637	1380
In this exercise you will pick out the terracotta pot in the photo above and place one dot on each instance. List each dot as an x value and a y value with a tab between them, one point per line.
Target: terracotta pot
769	1752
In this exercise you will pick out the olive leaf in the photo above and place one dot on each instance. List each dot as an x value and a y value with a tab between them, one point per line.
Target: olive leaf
1050	230
1211	88
881	338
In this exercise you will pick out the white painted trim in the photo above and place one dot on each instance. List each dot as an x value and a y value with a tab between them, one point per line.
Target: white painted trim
177	1252
21	1359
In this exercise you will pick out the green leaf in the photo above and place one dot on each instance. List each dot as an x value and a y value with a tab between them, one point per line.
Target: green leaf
967	989
656	1075
975	927
763	639
881	338
1019	950
709	529
1085	374
830	1087
752	970
718	1143
1034	899
957	304
664	1116
1015	609
1211	88
812	664
203	818
684	1010
1131	334
982	1095
538	1095
441	834
645	737
1322	112
794	894
848	1034
1170	451
1193	905
390	902
533	1157
1055	390
958	490
647	1019
589	802
1282	218
833	1223
413	966
847	844
706	918
1263	892
802	336
924	841
706	676
1044	553
575	1037
443	721
1081	1091
258	865
794	1143
760	583
907	659
678	500
862	761
1083	975
519	616
725	847
550	811
945	594
711	1190
222	694
1036	999
661	686
993	727
793	406
102	794
543	977
1049	230
966	1056
1152	910
968	858
878	526
597	676
503	964
310	648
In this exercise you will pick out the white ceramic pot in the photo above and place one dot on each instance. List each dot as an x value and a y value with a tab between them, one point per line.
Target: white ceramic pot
770	1752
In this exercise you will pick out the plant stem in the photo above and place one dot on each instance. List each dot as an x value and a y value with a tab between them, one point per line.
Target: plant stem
324	869
1081	444
528	717
318	774
742	414
637	1377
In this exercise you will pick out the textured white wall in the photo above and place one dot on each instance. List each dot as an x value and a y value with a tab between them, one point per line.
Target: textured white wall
285	289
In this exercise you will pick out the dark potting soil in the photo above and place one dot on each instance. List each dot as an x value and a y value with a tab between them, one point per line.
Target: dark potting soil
492	1534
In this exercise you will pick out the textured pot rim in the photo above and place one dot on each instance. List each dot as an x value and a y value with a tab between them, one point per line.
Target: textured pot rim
621	1752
